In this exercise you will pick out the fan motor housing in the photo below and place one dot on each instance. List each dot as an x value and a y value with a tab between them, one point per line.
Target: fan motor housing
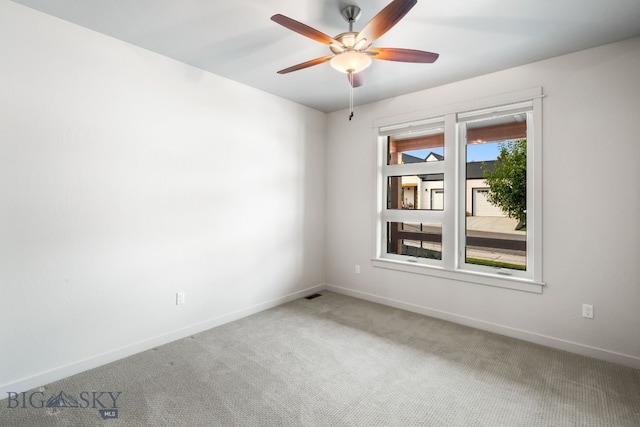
348	40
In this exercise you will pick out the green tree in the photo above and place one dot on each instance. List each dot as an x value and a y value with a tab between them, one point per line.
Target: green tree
508	180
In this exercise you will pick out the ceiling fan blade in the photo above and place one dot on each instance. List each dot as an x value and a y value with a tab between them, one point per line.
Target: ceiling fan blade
385	19
356	79
402	55
303	29
306	64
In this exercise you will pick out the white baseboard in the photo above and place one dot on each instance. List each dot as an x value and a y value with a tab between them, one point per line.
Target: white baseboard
557	343
43	378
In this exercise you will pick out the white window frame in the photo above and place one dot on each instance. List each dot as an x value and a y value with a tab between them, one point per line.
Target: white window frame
452	265
419	216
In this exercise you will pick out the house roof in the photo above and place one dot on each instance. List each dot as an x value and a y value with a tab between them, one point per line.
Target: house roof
474	171
406	158
437	156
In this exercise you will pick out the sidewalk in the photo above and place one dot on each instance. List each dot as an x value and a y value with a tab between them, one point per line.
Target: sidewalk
493	224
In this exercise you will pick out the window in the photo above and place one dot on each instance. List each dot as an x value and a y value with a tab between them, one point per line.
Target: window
459	194
413	222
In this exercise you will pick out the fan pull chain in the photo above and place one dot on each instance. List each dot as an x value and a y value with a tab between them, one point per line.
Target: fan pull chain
351	95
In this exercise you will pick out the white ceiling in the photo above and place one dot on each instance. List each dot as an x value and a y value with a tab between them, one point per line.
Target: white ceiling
236	39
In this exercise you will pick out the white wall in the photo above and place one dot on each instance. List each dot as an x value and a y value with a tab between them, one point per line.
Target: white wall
591	251
125	177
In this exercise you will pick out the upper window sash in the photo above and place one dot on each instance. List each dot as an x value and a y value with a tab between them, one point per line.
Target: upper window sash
408	129
494	112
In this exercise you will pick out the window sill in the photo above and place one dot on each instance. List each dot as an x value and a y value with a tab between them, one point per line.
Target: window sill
514	283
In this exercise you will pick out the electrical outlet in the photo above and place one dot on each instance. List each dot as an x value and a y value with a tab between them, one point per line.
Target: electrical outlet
357	269
180	298
587	311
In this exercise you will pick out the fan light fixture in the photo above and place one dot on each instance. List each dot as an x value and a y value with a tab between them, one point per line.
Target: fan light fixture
350	61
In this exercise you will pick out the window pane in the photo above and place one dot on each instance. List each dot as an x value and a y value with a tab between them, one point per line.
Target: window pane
495	188
415	239
423	192
428	146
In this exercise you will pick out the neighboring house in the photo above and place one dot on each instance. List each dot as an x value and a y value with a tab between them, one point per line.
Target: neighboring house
427	191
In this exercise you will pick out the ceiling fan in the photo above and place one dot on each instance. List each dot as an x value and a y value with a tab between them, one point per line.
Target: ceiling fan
352	51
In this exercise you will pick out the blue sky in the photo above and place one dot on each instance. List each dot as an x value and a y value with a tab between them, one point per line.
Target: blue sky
475	153
482	152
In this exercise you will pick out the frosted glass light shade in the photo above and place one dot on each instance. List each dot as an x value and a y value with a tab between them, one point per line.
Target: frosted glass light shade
350	61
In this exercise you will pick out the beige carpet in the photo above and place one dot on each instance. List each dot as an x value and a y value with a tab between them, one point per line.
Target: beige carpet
338	361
